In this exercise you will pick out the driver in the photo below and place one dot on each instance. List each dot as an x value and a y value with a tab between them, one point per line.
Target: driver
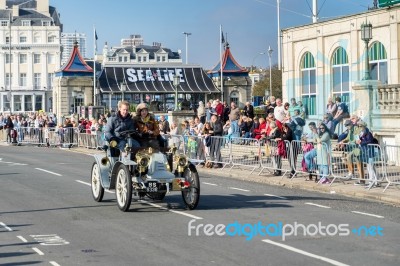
118	123
147	126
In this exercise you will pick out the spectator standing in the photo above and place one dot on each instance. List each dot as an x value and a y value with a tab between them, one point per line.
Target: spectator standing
293	107
276	135
322	148
279	111
248	110
201	112
164	125
209	112
297	124
216	141
219	109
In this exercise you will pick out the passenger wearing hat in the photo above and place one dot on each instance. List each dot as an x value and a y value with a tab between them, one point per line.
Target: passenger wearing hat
147	126
120	122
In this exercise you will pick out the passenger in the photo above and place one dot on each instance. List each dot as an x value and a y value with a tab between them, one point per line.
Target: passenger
147	126
120	122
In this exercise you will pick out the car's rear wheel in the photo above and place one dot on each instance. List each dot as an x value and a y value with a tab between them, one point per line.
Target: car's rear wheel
191	196
97	189
123	188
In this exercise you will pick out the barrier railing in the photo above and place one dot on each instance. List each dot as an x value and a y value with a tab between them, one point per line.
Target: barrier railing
392	166
372	164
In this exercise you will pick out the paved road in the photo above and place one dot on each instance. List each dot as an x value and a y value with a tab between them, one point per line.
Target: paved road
48	217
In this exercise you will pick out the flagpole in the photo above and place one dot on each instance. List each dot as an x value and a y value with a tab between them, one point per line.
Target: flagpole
94	65
220	56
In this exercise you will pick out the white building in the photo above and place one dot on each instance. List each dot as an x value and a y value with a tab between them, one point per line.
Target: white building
67	45
328	58
133	40
27	69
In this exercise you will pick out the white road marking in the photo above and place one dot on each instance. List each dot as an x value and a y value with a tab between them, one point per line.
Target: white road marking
54	263
88	184
210	184
305	253
317	205
23	239
38	251
279	197
241	189
369	214
40	169
173	211
6	227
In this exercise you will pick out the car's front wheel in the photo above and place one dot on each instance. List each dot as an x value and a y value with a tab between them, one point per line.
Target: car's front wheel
123	188
191	196
97	189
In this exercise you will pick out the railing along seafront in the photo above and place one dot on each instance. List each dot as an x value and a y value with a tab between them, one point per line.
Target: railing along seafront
370	164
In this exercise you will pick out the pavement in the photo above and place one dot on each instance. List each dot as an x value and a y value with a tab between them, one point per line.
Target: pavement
347	188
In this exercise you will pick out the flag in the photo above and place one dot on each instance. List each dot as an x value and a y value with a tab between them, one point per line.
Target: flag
95	40
222	37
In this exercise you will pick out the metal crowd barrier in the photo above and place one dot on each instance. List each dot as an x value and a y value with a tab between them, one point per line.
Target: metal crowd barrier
275	155
391	154
372	164
244	152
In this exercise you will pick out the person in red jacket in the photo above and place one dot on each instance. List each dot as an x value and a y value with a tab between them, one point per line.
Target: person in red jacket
261	131
219	109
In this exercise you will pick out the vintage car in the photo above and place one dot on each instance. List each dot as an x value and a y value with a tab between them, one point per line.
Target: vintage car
144	172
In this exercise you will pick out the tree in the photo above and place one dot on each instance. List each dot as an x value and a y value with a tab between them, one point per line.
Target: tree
261	87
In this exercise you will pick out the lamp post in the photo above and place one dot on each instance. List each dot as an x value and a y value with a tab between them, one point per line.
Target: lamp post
366	36
270	70
123	89
186	37
176	82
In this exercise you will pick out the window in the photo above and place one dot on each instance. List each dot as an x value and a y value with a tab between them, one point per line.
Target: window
6	104
8	58
8	79
120	59
50	77
50	59
308	83
4	23
26	23
7	39
28	103
22	79
378	62
36	38
22	39
36	58
125	59
38	102
158	58
36	80
164	59
144	59
139	59
17	102
51	39
234	97
23	58
46	23
340	75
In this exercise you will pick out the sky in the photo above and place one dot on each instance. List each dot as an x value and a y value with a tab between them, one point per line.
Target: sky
250	25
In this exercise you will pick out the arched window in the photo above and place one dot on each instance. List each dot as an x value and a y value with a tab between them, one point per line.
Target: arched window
234	97
378	62
340	75
308	83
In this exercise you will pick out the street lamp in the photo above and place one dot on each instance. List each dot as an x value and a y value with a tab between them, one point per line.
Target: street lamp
186	37
176	82
366	36
270	70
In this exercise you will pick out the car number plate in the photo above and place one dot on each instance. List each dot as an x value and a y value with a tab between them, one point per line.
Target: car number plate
152	186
